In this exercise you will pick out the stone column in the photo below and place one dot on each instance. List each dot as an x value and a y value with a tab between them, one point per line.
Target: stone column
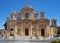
47	31
21	30
15	31
8	33
37	32
52	33
31	32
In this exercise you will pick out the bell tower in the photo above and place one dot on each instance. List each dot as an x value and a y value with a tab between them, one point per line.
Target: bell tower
54	22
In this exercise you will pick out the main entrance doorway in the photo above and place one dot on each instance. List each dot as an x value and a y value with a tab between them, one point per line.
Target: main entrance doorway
26	32
11	32
42	32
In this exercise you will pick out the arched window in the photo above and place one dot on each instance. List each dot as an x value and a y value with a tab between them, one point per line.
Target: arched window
26	15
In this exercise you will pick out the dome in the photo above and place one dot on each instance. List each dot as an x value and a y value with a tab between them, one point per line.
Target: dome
27	7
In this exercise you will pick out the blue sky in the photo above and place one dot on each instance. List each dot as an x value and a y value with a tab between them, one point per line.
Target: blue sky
50	7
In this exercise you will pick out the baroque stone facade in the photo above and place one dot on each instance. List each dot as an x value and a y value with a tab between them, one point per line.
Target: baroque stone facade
26	24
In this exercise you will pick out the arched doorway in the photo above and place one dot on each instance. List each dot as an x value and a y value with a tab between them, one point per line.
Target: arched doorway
26	32
11	32
42	32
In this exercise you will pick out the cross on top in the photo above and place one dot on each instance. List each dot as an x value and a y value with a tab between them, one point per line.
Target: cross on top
26	2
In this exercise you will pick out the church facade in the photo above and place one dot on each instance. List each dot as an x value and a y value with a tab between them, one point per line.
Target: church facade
26	24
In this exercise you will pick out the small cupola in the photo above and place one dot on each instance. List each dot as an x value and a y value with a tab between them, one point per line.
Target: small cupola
42	14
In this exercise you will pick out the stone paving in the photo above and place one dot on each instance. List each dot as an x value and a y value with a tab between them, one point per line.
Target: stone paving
27	41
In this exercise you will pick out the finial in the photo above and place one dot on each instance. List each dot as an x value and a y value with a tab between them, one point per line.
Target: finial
53	17
14	11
